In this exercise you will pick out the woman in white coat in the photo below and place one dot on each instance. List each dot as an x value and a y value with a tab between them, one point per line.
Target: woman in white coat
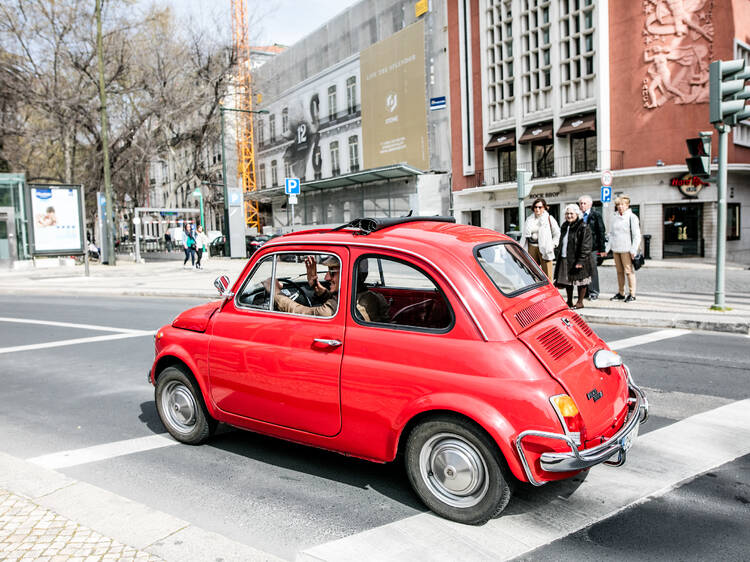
624	241
541	235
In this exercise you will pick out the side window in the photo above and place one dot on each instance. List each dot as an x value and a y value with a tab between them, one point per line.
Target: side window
296	283
392	292
254	293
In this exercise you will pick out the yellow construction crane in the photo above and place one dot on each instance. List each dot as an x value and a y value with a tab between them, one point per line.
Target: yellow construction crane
244	103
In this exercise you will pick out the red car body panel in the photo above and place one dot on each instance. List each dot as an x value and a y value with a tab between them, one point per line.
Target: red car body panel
261	371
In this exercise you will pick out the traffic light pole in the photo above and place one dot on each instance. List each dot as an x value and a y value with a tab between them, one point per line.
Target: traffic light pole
721	219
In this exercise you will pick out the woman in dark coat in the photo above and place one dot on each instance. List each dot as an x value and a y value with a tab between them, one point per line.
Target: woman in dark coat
572	256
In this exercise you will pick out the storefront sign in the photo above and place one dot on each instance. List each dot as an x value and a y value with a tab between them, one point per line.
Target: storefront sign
689	186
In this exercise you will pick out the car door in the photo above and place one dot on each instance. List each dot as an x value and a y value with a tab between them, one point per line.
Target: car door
280	367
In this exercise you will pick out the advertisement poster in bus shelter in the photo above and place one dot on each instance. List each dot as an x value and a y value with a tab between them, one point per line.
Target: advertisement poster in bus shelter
56	219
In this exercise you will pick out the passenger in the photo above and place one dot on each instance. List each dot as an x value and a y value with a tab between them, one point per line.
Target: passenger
371	306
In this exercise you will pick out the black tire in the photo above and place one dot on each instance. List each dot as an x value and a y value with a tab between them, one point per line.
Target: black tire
474	484
181	408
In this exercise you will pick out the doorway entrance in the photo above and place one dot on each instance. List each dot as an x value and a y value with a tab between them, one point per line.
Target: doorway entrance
683	230
7	237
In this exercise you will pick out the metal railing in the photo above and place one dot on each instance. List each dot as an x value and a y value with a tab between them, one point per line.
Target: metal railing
559	167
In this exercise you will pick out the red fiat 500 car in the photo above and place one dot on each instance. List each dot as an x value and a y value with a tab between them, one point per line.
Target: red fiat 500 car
414	337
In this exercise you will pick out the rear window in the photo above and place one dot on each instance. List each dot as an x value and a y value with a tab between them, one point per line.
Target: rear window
509	268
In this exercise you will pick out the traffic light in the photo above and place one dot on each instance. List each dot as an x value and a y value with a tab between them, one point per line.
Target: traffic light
699	162
524	186
727	91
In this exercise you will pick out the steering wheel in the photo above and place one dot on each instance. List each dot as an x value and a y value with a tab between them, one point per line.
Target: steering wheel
294	291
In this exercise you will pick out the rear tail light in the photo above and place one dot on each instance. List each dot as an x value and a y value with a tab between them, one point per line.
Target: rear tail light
570	417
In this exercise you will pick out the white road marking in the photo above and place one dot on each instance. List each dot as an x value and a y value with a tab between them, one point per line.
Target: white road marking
647	338
75	457
68	325
658	462
61	343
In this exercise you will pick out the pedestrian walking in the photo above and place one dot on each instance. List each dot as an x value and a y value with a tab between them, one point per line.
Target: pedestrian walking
201	245
188	244
624	240
541	235
573	256
167	241
595	223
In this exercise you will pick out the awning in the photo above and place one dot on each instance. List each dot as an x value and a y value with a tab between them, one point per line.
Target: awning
502	141
535	133
395	172
585	124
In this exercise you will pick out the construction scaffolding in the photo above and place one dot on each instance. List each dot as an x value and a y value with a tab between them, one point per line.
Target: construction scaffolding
244	103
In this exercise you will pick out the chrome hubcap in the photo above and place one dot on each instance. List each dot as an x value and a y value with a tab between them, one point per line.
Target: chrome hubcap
179	406
453	470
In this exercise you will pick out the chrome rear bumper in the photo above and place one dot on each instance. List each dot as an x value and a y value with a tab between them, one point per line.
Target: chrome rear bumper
616	446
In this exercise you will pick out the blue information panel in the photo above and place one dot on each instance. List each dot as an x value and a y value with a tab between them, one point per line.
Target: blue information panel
291	186
606	194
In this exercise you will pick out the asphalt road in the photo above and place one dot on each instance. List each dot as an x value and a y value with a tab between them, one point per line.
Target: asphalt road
283	498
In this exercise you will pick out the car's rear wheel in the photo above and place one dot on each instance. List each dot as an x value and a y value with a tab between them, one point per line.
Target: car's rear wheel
181	408
457	470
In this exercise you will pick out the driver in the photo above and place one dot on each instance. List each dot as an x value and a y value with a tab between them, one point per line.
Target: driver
329	296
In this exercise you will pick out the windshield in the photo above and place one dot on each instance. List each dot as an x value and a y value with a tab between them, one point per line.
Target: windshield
509	268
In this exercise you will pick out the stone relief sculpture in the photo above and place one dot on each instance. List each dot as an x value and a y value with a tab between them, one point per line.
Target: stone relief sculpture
678	40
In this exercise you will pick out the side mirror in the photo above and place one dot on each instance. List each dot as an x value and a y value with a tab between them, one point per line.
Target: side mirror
222	285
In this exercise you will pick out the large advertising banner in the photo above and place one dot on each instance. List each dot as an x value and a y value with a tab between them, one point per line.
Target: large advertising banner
56	219
394	106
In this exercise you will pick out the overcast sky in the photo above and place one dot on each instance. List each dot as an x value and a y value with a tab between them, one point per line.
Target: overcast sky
270	21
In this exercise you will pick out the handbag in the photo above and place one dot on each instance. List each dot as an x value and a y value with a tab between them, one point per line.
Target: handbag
638	260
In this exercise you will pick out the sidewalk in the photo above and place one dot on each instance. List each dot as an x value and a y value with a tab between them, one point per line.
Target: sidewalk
672	301
47	516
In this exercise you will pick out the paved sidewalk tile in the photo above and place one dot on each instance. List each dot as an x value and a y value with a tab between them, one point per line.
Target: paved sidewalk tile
31	532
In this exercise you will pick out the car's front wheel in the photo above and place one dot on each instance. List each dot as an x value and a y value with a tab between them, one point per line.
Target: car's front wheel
181	409
457	470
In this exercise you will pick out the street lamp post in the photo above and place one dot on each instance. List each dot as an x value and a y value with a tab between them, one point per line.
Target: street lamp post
222	109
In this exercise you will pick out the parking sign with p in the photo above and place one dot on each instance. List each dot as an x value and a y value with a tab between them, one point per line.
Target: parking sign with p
291	186
606	194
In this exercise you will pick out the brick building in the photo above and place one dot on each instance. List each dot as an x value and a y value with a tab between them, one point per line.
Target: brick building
570	88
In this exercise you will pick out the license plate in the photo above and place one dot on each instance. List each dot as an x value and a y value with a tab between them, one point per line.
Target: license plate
628	441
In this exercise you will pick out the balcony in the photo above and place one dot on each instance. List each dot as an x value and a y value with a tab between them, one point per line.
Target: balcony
559	168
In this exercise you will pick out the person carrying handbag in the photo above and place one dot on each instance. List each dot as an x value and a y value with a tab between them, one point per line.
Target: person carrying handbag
624	239
541	235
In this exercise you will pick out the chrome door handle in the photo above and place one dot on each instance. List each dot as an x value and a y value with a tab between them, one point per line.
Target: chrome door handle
329	343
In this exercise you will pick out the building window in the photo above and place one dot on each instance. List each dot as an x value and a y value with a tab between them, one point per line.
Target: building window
506	160
544	159
272	128
353	154
500	86
262	176
351	94
287	170
583	154
535	56
260	133
335	169
733	221
332	103
284	120
274	174
577	40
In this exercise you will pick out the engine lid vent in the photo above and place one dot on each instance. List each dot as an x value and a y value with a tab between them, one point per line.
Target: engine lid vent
585	328
555	343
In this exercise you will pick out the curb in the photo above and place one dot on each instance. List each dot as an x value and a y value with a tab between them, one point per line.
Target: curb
731	327
113	516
